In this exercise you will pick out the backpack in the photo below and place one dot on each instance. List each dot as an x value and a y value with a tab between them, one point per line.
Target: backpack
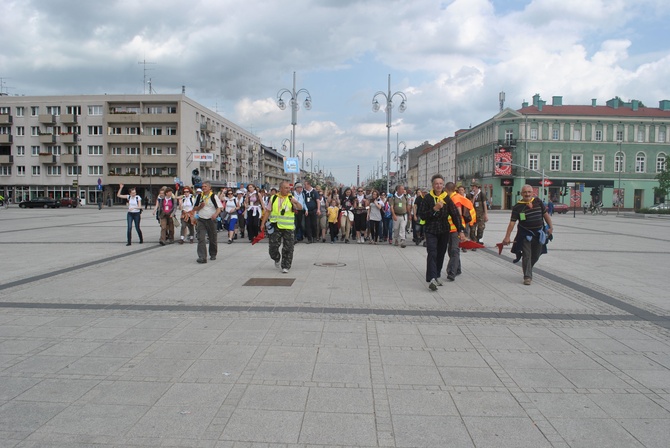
387	210
466	215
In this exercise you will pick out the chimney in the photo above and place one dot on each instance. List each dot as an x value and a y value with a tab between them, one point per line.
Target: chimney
635	104
183	90
556	100
524	104
664	104
536	99
540	105
593	102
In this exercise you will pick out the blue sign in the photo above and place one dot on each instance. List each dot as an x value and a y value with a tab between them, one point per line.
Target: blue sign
292	165
99	187
581	188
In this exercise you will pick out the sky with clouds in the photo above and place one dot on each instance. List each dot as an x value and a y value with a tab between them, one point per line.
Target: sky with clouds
450	57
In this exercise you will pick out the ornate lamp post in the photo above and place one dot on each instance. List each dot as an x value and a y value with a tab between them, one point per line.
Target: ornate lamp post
294	107
388	96
620	155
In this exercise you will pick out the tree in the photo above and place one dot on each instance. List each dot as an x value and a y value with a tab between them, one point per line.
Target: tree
663	178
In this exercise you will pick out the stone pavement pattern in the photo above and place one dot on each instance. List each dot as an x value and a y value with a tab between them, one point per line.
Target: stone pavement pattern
107	345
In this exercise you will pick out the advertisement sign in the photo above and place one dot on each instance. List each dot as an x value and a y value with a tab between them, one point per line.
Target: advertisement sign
292	165
618	197
203	157
502	162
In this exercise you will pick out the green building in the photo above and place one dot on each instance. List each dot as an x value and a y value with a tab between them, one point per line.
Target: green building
608	153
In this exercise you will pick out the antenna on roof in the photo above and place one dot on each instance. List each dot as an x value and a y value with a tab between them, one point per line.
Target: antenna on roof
4	88
501	99
144	80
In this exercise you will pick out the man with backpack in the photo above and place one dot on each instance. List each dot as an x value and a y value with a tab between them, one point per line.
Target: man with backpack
207	208
479	201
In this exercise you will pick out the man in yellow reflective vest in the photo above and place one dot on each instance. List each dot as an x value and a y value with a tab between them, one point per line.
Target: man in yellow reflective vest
279	223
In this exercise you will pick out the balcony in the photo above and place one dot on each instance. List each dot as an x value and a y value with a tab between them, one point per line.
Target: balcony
157	118
47	159
68	139
6	159
68	118
207	127
47	138
5	119
124	159
68	159
131	179
46	119
123	117
6	138
153	159
507	142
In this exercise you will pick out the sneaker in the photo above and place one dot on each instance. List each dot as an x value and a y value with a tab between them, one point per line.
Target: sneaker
127	244
230	241
332	242
390	242
438	281
308	241
277	264
191	240
201	261
284	271
402	243
395	243
432	285
161	242
181	241
526	281
212	257
346	241
451	277
323	240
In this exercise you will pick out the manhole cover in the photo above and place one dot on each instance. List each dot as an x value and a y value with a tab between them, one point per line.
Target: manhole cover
269	282
330	265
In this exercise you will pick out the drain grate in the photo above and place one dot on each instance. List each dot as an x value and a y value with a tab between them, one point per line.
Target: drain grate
330	265
269	282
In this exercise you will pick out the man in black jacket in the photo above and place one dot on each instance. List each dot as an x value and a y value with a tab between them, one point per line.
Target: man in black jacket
435	209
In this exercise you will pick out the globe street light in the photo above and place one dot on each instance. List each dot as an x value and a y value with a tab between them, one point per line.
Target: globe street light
389	107
294	107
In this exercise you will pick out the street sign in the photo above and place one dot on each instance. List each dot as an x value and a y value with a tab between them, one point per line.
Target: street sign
75	183
546	182
99	183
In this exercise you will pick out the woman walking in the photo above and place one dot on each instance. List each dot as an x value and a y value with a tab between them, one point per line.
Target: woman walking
375	216
134	212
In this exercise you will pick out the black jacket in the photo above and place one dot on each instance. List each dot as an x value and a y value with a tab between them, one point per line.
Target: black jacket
437	222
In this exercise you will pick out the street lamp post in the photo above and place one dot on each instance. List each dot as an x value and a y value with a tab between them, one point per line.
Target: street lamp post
294	107
388	96
619	154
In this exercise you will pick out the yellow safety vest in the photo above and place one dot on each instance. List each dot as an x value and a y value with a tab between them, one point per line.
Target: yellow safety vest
285	221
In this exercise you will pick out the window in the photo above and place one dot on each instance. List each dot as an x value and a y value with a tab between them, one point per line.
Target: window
20	130
660	162
95	130
21	170
619	162
619	136
640	135
640	161
172	109
36	171
171	130
534	161
133	151
171	151
73	110
20	111
53	110
117	151
34	131
35	150
661	137
132	130
533	134
74	130
133	171
53	130
55	150
598	163
576	162
153	130
577	134
76	149
34	111
154	110
5	170
5	110
20	150
95	150
115	131
555	133
95	110
53	170
72	170
153	151
94	170
509	136
5	130
599	135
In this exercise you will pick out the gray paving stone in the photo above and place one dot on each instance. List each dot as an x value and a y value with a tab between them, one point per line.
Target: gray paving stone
207	395
416	375
274	398
159	368
567	406
95	419
340	400
487	404
469	376
421	402
430	431
351	429
335	355
131	393
57	390
458	359
587	433
651	433
11	387
538	378
174	422
254	425
654	379
505	431
627	406
593	379
288	371
27	416
342	373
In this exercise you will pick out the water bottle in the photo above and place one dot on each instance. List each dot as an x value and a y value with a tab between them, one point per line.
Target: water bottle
269	228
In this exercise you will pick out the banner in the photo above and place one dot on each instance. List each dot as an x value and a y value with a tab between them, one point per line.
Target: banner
203	157
500	158
292	165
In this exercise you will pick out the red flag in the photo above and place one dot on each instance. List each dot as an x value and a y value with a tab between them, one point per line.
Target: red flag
500	247
469	244
259	237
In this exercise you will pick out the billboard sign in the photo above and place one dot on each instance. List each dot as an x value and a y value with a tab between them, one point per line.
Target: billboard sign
203	157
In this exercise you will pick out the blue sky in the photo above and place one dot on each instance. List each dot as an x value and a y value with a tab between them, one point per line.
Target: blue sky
451	58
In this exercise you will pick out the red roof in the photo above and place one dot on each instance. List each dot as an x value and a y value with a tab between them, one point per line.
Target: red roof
596	111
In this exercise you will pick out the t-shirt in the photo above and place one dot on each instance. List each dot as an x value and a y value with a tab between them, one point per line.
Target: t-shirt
399	204
530	216
332	214
376	213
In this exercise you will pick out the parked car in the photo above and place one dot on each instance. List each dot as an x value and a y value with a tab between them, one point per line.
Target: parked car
40	203
69	202
661	206
561	208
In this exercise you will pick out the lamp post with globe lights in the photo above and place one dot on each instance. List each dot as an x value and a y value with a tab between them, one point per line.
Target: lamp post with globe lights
294	107
388	96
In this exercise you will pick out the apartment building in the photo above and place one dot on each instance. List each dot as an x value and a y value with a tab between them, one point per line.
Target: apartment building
613	150
62	146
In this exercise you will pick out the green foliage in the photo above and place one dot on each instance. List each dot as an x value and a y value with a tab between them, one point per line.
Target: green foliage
647	211
663	180
378	184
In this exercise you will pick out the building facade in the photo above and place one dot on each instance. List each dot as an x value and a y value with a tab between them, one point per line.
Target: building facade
87	145
608	153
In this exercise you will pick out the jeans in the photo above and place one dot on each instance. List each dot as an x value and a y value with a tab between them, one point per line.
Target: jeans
387	228
134	218
436	246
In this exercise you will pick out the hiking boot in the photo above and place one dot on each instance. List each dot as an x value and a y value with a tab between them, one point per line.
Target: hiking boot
432	285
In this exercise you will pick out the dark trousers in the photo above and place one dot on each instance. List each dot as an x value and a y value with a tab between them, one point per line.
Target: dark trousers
253	225
387	228
436	247
531	251
299	220
333	230
375	230
311	225
454	252
134	218
206	228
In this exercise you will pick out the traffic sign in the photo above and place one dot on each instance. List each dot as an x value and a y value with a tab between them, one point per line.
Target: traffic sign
75	183
546	182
